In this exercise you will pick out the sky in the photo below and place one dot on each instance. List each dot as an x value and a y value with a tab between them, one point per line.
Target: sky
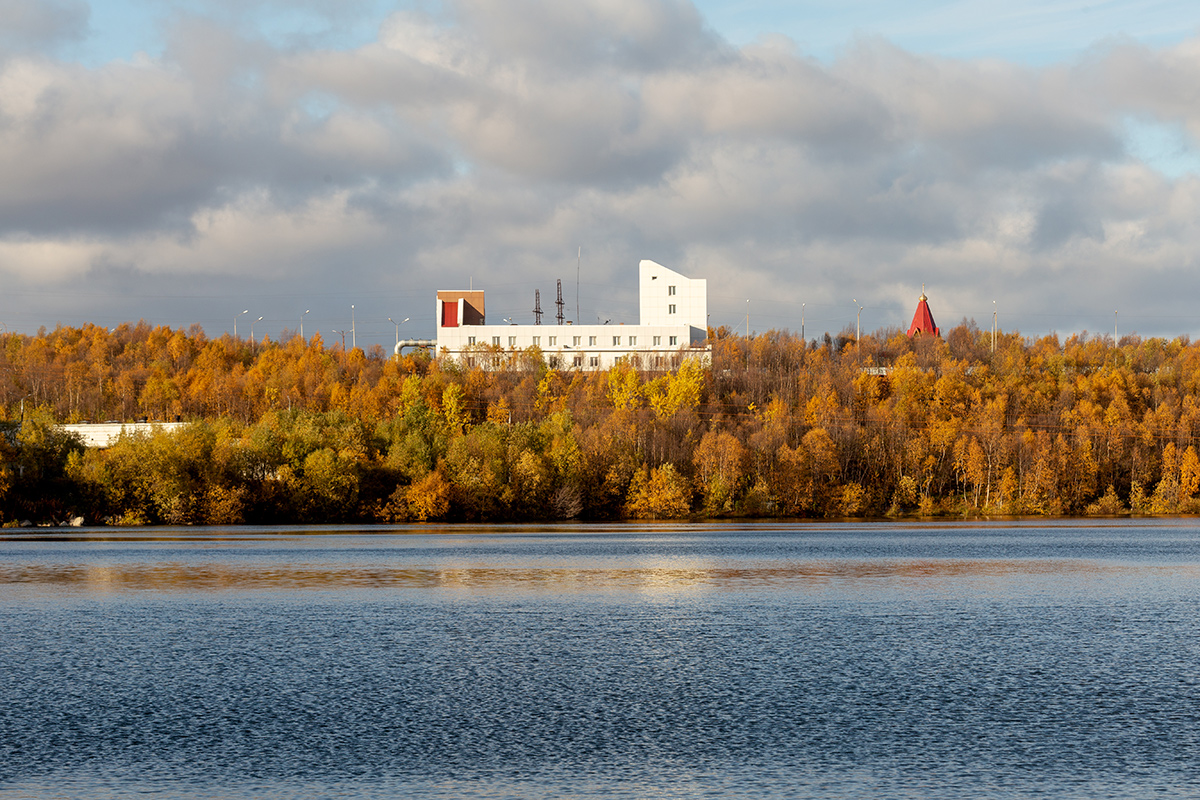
214	162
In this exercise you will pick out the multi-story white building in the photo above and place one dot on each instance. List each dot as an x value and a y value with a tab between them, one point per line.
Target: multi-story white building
673	326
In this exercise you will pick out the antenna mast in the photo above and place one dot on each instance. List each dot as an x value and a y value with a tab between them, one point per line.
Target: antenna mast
578	259
559	302
537	306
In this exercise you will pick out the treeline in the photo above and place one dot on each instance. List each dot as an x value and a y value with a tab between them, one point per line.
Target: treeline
777	427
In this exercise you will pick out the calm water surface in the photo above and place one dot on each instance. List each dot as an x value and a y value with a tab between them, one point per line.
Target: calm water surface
831	661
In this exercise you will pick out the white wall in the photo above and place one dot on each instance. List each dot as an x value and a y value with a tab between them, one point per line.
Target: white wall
690	298
559	340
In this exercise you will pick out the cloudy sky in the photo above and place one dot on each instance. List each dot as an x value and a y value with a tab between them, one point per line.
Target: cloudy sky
181	162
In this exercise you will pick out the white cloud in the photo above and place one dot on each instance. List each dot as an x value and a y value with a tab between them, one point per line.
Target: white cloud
473	145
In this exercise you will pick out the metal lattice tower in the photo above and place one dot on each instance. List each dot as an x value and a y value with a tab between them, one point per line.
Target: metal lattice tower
537	306
559	302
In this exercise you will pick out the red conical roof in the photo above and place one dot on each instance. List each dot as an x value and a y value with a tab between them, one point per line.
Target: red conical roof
923	323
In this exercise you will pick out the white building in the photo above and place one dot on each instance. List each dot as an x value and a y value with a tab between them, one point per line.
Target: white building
673	326
105	434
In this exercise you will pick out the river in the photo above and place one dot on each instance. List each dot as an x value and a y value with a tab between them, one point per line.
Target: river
909	660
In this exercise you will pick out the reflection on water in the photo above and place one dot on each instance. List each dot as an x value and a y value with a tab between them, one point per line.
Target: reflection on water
841	661
214	576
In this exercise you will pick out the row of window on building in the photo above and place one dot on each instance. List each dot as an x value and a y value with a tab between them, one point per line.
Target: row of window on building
579	361
577	341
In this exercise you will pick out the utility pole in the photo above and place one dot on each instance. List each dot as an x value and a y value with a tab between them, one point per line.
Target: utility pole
802	325
747	318
993	326
1114	329
353	338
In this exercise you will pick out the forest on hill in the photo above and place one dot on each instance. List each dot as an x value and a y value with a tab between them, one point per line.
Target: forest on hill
296	431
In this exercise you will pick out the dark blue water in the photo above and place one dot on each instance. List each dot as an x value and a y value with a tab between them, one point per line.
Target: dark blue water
922	661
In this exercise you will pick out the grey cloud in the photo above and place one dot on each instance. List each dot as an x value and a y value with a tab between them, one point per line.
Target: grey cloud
129	147
631	35
1133	77
33	25
772	93
984	115
1069	207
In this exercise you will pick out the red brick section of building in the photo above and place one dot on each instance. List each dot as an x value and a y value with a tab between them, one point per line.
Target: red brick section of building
923	324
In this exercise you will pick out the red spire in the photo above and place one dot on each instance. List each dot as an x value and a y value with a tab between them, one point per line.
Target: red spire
923	323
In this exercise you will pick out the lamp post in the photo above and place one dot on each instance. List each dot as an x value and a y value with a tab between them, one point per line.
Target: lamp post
802	325
993	326
858	330
235	319
302	322
353	337
1114	329
343	334
252	324
397	324
747	317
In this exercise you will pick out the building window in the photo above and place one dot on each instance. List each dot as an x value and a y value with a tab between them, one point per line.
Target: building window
633	341
594	361
671	291
575	342
674	341
616	341
619	360
591	341
657	341
470	340
496	341
553	362
671	308
658	361
537	341
470	362
553	341
512	341
579	361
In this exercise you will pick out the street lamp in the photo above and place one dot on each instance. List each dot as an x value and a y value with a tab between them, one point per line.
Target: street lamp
343	333
252	324
302	322
1114	329
993	326
802	339
397	324
353	337
235	319
858	329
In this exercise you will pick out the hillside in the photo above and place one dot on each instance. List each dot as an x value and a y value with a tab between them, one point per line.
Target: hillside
300	432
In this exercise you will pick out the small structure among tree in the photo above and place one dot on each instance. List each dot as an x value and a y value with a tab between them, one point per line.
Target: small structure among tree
922	323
